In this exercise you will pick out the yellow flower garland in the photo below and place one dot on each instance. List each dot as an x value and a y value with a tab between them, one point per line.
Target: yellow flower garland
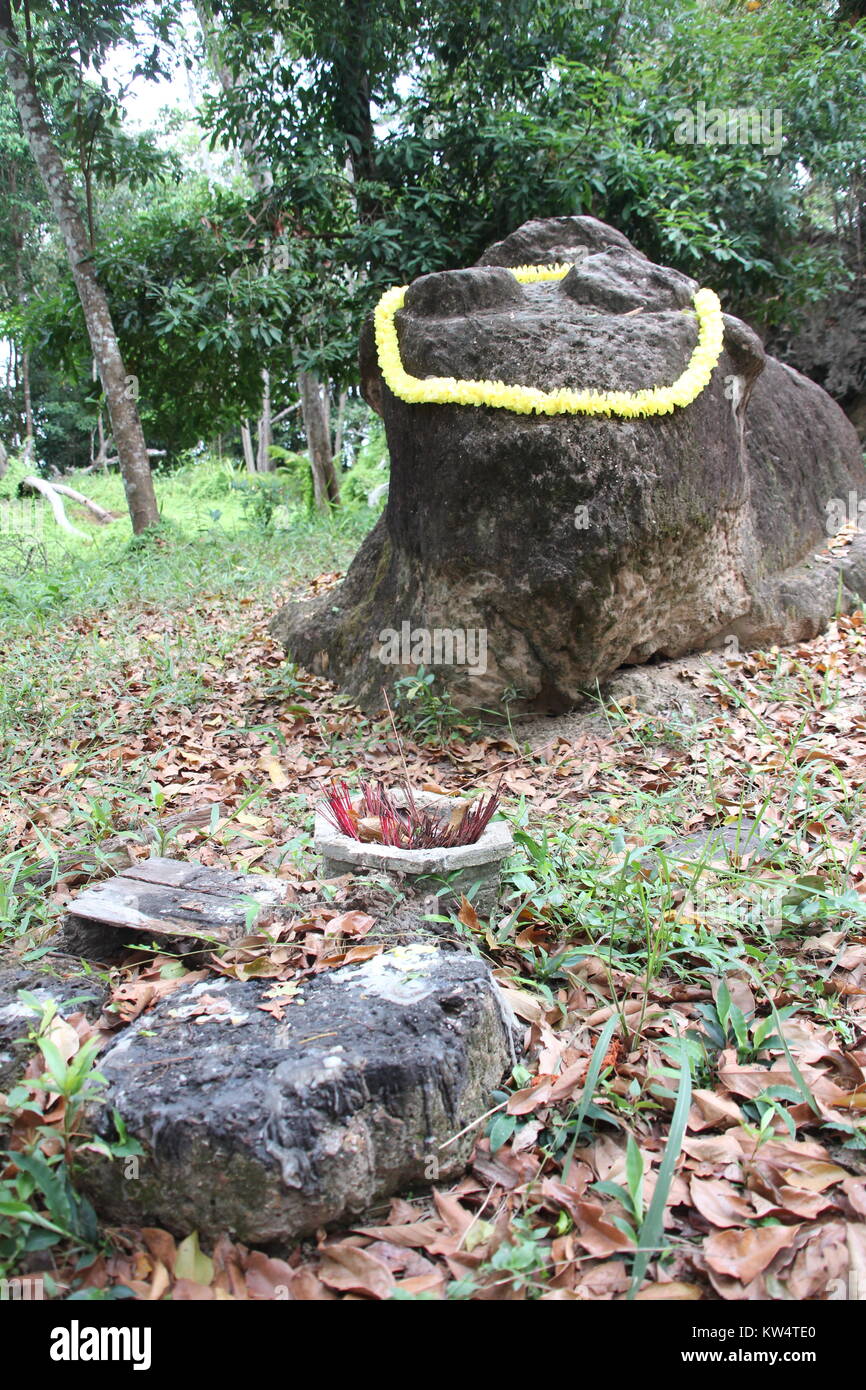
447	390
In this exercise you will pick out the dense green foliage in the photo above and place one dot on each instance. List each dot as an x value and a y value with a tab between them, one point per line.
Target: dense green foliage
377	142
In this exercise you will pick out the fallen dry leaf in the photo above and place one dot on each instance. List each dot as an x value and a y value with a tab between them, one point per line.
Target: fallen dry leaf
744	1254
350	1269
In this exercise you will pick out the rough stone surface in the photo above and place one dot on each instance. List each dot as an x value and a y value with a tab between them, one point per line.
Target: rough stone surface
698	525
724	845
58	978
663	691
268	1129
828	343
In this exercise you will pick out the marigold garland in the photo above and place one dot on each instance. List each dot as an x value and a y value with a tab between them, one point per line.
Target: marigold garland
447	390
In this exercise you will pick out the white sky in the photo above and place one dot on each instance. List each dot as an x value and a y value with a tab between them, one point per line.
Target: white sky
144	100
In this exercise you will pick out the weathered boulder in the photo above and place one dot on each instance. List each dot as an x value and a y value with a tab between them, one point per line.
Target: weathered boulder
268	1127
579	544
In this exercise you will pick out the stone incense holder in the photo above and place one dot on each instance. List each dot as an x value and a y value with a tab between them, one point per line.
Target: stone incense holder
448	872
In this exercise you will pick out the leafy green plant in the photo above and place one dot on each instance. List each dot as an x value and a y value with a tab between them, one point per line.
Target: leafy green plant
631	1196
261	496
369	471
644	1225
22	907
520	1263
429	714
39	1204
725	1025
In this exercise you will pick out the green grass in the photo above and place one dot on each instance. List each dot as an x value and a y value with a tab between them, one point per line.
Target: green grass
75	622
214	539
110	638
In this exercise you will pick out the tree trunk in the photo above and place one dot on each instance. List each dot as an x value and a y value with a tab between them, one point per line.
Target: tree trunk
247	444
260	175
341	421
262	181
125	422
18	241
264	462
101	459
315	410
29	441
353	78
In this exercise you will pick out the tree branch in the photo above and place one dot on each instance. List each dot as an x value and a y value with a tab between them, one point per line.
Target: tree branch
55	501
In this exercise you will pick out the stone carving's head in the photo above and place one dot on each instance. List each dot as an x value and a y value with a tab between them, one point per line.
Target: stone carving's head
611	323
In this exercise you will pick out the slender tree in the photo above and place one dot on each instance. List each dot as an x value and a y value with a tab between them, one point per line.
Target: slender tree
315	410
21	221
119	388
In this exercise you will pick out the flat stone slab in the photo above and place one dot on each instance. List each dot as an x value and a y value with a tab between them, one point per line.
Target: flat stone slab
722	846
170	901
269	1127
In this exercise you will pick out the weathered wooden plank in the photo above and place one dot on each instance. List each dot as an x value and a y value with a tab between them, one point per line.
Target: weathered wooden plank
222	883
155	909
186	906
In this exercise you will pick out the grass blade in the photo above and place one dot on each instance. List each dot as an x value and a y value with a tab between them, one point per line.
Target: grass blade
598	1055
799	1079
650	1236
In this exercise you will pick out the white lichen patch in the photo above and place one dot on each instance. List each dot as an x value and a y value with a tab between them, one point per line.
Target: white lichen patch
402	975
18	1009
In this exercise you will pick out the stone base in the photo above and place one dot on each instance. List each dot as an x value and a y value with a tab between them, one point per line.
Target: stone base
481	883
447	873
267	1128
